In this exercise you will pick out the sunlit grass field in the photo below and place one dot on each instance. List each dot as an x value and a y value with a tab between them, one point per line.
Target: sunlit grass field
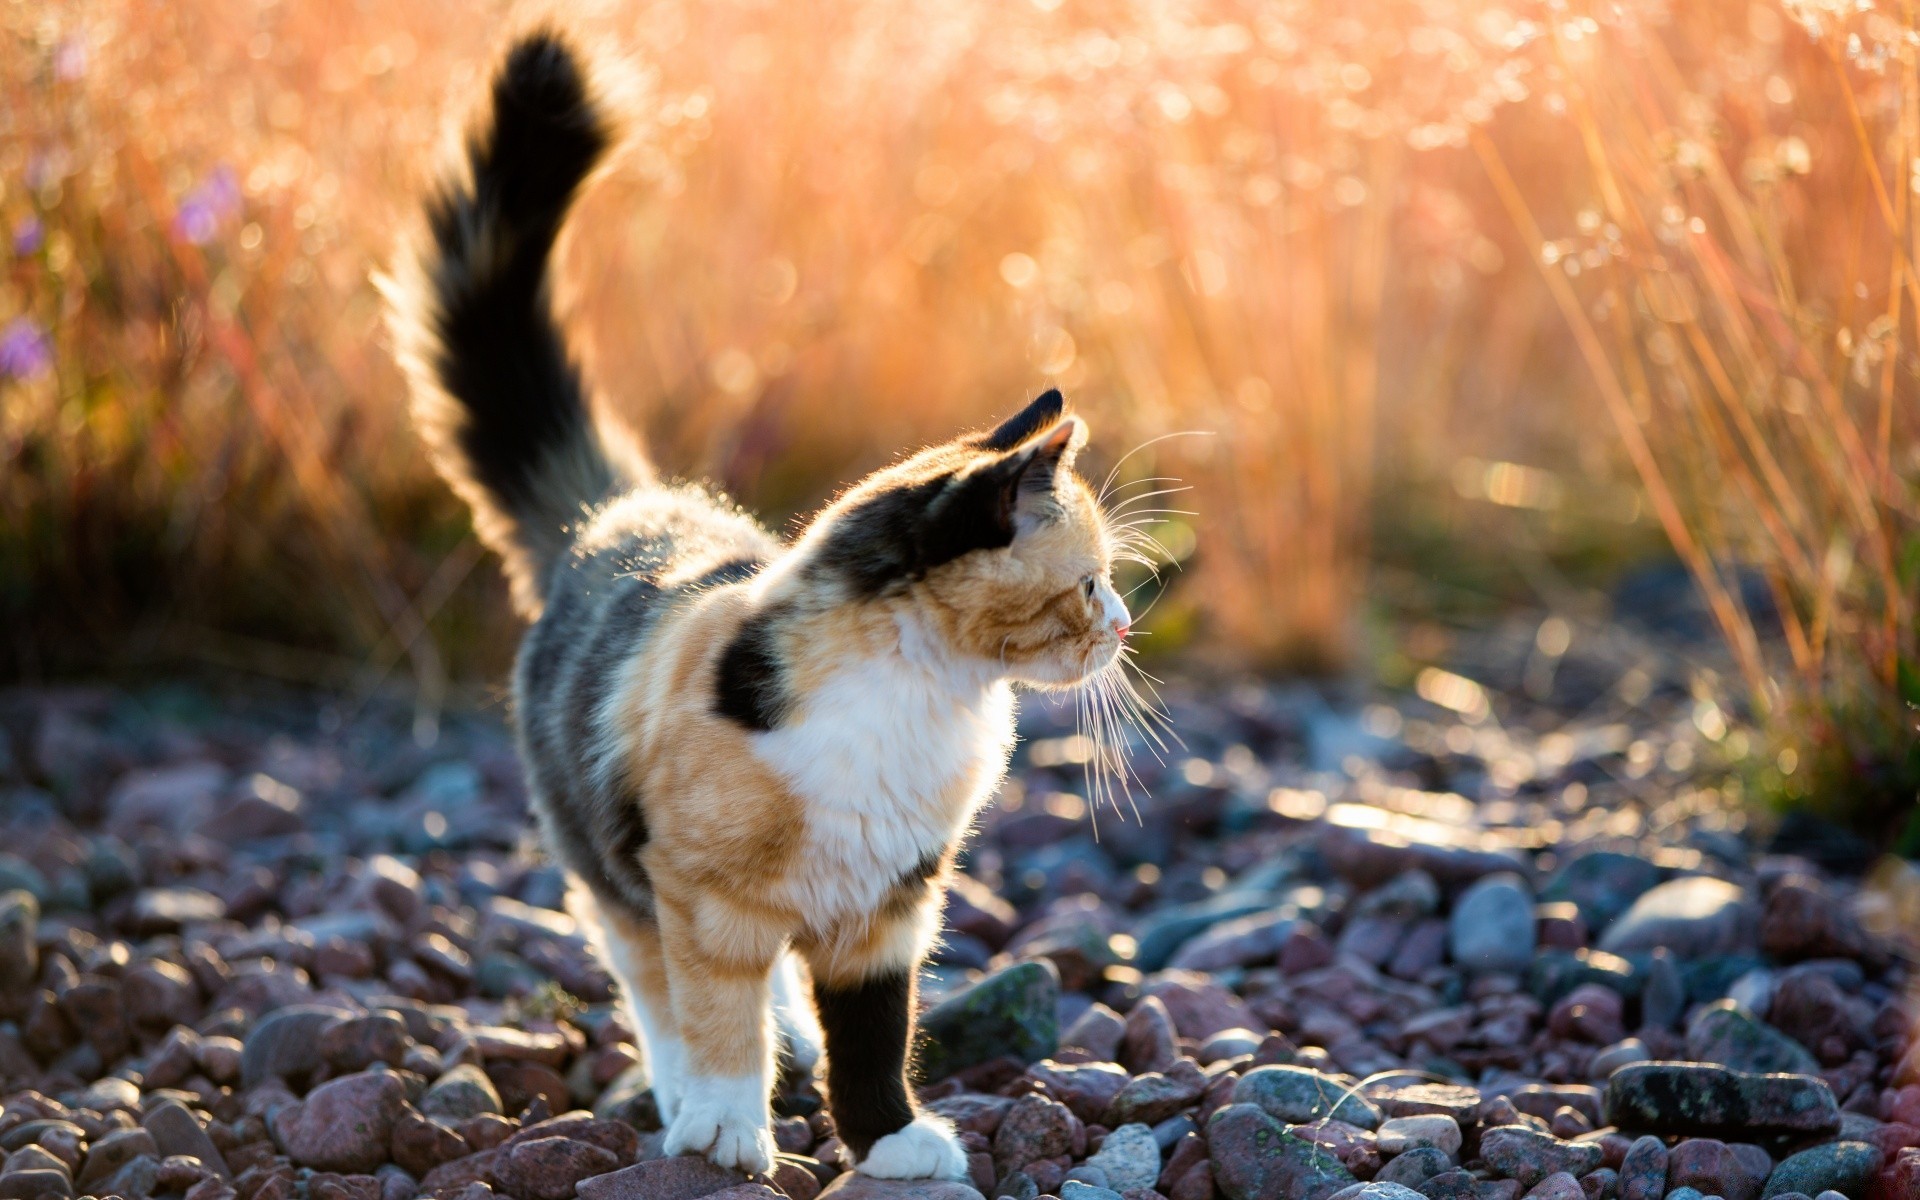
1414	298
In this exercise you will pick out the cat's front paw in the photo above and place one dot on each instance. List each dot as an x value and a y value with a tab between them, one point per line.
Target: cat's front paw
926	1149
726	1120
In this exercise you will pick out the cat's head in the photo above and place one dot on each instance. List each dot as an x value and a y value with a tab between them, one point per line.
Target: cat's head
992	544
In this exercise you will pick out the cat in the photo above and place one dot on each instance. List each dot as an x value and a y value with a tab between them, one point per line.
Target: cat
743	750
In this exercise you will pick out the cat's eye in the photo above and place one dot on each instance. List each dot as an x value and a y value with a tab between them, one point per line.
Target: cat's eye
1087	585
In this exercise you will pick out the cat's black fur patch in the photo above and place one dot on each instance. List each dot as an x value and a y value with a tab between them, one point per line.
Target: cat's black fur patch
867	1027
900	534
749	686
498	351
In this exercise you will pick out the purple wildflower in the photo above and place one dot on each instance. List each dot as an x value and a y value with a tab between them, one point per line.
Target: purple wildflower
213	201
28	236
25	352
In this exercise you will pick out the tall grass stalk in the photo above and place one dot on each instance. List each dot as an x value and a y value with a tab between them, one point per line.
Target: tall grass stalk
1743	290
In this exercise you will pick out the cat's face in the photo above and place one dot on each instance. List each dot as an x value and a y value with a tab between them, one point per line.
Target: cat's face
996	547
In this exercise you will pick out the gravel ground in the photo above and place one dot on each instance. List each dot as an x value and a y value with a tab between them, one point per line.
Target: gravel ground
1451	945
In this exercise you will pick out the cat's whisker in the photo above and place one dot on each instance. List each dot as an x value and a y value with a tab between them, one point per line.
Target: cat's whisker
1150	442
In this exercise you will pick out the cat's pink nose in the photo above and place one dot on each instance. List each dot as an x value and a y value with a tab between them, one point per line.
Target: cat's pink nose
1120	628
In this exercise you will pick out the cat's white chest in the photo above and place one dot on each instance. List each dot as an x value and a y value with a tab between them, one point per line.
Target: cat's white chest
890	761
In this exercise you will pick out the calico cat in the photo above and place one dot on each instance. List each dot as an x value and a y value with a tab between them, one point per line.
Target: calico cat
745	750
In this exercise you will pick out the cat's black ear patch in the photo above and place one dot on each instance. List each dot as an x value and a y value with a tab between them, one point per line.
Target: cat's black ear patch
1042	412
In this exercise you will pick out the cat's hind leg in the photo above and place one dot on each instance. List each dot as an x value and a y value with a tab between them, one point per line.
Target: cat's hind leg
630	947
794	1018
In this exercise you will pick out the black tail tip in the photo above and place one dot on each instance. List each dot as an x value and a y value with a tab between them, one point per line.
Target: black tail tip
547	133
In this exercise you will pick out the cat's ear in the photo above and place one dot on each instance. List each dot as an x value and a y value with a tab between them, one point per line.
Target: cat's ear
1042	411
1034	471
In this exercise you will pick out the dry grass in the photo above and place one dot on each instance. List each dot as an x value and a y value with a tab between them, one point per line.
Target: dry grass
1743	287
1304	229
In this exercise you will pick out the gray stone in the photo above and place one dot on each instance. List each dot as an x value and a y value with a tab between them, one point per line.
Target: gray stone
175	1131
1728	1034
1694	917
1845	1167
1523	1153
1130	1157
1298	1095
464	1091
1414	1167
1491	927
286	1043
1603	884
1255	1158
1713	1101
1012	1011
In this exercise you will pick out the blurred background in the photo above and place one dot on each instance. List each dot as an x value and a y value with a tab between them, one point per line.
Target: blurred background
1454	318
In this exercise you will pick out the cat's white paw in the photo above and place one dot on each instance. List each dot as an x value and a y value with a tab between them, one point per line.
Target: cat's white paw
724	1119
926	1149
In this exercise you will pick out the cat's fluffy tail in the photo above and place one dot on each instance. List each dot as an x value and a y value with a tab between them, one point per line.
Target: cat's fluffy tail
495	394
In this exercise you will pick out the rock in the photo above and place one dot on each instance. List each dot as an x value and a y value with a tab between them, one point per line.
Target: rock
973	1113
463	1091
1148	1041
1643	1172
285	1043
1373	855
344	1124
1097	1031
1846	1167
1012	1011
35	1184
158	995
356	1043
1451	1185
1664	998
114	1151
548	1168
1034	1128
1708	1101
1558	1186
1694	917
1415	1166
1377	1189
1603	884
175	798
1803	920
19	940
1522	1153
1419	1099
1243	941
1162	934
1812	1009
1153	1097
421	1143
1130	1157
1727	1034
1075	1189
684	1177
1589	1013
168	910
855	1186
1491	927
1400	1134
1086	1088
1198	1006
176	1131
1714	1168
1611	1059
1255	1158
1297	1095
